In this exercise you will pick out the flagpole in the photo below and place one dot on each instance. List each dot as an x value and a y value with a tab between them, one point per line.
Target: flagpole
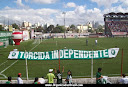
59	59
92	65
26	65
122	62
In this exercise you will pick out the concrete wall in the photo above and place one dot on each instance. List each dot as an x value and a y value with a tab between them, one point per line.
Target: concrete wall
113	80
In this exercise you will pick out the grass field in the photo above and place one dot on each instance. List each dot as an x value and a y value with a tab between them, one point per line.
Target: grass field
79	68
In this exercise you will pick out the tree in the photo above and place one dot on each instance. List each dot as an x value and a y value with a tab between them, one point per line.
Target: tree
15	26
72	26
61	29
90	30
58	29
1	27
100	28
68	29
50	28
39	29
97	30
55	30
76	30
57	25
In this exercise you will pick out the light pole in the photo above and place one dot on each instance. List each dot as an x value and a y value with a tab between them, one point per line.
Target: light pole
64	22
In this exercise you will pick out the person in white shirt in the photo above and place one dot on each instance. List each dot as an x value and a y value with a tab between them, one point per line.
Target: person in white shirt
41	80
19	80
69	77
124	80
96	42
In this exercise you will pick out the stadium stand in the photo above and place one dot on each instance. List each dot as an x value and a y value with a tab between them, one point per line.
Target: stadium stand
116	23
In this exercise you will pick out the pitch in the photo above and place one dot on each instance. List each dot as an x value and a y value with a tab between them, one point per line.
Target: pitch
79	68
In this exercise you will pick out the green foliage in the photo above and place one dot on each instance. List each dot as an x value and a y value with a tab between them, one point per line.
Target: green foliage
57	29
72	26
15	26
100	29
39	29
1	28
57	25
97	30
76	30
50	28
90	30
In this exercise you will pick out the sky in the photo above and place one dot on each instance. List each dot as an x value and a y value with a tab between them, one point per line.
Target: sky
50	11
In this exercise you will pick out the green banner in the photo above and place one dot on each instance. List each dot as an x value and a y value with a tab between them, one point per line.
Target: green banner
6	36
64	54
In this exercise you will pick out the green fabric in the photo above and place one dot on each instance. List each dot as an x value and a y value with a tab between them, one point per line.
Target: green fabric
35	82
59	78
8	82
6	36
98	75
103	81
50	77
64	54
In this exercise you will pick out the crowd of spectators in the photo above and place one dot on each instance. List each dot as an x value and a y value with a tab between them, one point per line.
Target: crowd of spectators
118	26
100	79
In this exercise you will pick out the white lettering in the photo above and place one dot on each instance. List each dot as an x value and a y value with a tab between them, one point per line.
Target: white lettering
21	54
61	54
100	53
55	54
85	54
105	53
35	55
80	54
75	53
65	53
52	55
90	54
47	55
39	55
95	54
30	55
42	55
26	55
70	52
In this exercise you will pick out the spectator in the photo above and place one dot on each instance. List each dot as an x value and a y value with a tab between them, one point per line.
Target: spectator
99	76
36	81
41	80
69	77
124	80
19	80
50	76
9	80
59	75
